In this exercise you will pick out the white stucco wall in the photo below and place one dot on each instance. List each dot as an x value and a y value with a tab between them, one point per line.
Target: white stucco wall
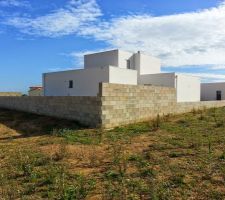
122	76
102	59
188	88
117	58
161	79
123	57
208	91
146	64
85	81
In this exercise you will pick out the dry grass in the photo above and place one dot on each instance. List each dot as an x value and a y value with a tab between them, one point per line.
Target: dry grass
174	157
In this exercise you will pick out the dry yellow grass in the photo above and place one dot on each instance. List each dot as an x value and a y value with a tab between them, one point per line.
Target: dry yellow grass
46	158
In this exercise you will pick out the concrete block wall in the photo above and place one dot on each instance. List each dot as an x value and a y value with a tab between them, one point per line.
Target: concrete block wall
189	106
125	104
115	105
86	110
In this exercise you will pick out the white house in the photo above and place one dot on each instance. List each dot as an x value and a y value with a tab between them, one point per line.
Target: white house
213	91
85	82
121	67
143	64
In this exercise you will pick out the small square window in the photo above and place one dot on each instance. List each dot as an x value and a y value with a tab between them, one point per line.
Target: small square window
70	84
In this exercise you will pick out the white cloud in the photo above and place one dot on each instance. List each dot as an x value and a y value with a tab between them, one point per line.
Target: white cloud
193	39
217	67
55	69
196	38
14	3
208	76
64	21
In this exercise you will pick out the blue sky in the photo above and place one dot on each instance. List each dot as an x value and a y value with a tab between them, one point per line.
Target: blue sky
46	35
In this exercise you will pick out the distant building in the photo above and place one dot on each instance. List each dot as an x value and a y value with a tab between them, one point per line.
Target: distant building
213	91
36	91
120	67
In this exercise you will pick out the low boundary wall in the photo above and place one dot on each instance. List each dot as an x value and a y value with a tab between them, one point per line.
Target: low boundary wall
115	105
85	110
125	104
189	106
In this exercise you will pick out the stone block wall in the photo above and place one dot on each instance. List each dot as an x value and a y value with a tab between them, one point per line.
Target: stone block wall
189	106
125	104
115	105
86	110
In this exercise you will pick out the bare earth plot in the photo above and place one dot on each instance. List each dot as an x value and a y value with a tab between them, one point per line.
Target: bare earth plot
173	157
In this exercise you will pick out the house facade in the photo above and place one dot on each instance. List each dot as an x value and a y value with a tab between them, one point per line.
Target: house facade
85	82
120	67
213	91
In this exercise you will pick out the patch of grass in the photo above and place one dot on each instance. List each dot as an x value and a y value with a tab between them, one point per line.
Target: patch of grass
216	195
125	133
79	136
170	157
175	155
61	154
146	172
177	180
62	185
222	156
132	129
37	174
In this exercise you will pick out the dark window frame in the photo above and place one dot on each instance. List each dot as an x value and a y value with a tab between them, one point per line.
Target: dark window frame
128	64
218	95
70	84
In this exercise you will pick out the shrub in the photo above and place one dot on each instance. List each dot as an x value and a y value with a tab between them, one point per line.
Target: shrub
146	172
222	156
61	154
79	189
177	181
156	123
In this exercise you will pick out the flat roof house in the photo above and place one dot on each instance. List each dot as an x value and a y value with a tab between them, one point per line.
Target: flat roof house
213	91
120	67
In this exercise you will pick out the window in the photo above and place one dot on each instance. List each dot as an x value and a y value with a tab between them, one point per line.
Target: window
70	84
128	64
218	95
